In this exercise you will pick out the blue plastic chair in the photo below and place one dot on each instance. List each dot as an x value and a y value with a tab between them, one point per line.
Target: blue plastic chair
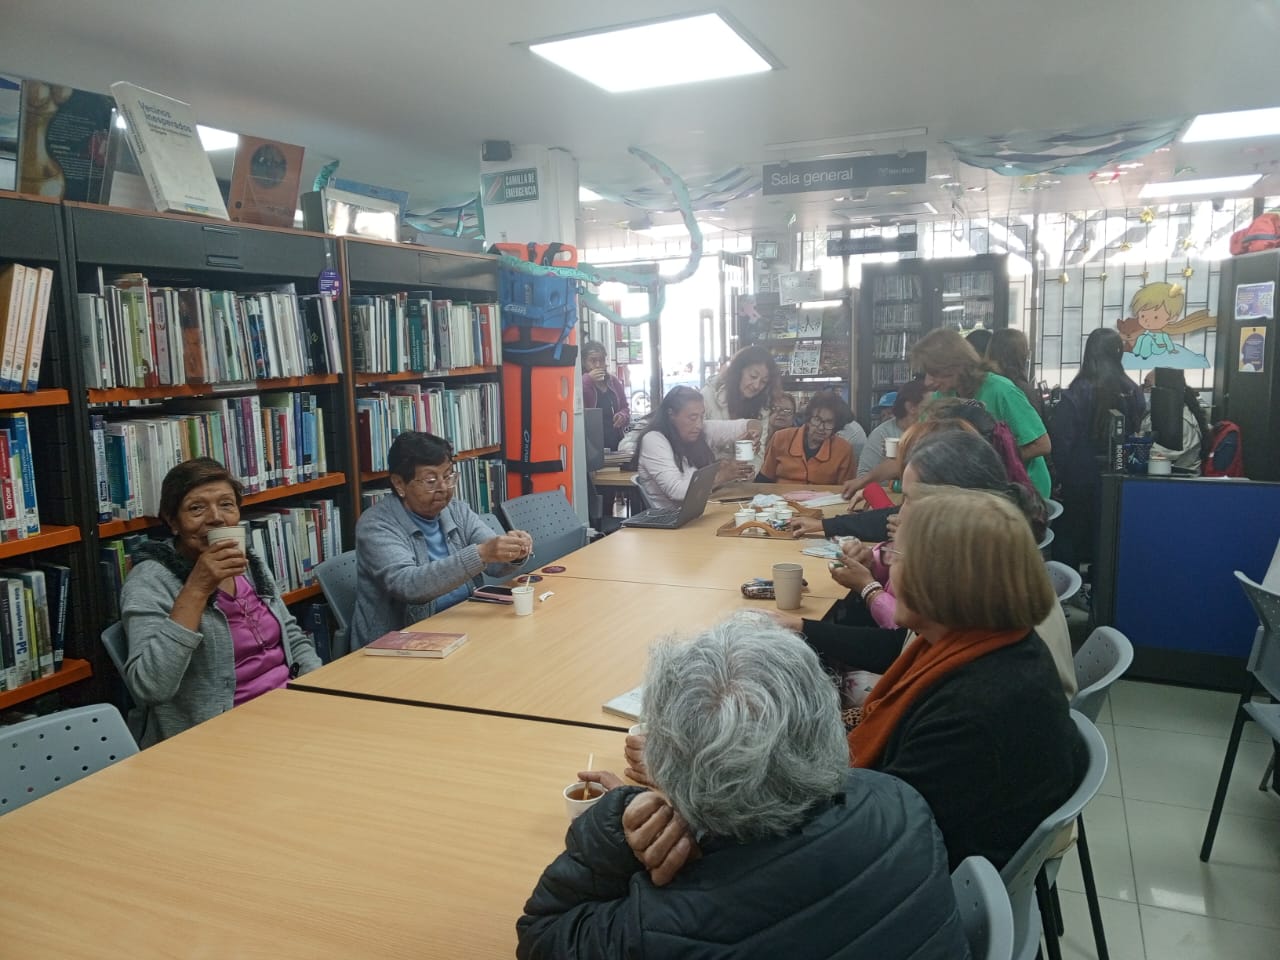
985	910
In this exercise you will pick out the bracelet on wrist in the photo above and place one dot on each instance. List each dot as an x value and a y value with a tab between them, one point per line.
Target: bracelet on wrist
870	591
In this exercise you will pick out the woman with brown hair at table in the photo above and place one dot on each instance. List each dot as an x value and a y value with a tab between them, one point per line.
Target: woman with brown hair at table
206	626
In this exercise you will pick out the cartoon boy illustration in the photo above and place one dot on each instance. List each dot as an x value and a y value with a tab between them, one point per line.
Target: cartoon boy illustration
1156	306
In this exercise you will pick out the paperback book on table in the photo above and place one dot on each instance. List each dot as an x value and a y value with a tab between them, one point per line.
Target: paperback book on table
162	132
414	643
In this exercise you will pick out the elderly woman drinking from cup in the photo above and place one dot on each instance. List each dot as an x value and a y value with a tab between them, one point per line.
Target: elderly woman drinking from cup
205	624
422	550
762	842
678	440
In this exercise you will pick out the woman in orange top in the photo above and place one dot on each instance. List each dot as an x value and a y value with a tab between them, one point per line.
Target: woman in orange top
811	453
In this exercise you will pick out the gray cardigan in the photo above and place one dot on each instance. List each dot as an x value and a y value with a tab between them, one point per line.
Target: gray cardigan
183	677
397	582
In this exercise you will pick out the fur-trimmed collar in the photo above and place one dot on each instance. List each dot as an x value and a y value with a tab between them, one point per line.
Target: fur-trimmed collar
166	554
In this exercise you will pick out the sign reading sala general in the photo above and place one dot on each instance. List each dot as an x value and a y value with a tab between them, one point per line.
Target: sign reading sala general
839	173
511	186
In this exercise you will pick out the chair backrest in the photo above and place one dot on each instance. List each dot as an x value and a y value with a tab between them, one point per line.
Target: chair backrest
117	646
1053	510
985	910
1264	659
39	756
1046	545
337	577
491	520
1066	580
1103	660
550	520
635	482
1019	874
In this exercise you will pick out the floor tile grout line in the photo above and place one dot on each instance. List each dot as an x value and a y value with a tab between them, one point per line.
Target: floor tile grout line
1128	839
1206	810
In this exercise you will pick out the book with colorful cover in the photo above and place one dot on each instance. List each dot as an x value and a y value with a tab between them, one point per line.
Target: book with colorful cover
63	141
415	643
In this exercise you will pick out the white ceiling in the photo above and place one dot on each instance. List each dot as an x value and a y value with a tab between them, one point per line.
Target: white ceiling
404	92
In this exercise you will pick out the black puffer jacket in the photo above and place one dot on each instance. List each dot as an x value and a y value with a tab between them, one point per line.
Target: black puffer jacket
866	877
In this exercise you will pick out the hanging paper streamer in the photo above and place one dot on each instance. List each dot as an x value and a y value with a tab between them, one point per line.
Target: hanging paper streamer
656	285
325	175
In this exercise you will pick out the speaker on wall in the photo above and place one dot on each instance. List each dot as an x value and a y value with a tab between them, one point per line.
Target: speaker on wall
495	151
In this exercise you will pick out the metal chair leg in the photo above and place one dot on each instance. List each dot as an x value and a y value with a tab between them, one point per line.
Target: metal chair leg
1057	911
1052	947
1266	774
1224	780
1091	891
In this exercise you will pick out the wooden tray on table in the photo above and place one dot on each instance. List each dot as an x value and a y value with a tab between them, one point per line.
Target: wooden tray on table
757	528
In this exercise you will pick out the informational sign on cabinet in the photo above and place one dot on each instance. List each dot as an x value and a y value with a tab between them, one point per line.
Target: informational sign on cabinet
1253	349
510	186
1256	301
801	286
841	173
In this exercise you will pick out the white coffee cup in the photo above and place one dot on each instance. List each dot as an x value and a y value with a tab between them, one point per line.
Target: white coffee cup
744	451
783	513
891	447
576	808
788	581
743	516
638	729
522	599
1158	465
234	532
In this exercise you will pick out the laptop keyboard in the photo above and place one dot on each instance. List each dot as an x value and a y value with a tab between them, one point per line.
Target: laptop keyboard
667	517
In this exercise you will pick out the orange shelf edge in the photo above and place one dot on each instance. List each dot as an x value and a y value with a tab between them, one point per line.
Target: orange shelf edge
306	593
373	379
370	476
73	671
49	536
38	398
121	394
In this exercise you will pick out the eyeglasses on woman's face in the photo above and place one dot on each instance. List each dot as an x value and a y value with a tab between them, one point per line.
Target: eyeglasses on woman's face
433	481
822	423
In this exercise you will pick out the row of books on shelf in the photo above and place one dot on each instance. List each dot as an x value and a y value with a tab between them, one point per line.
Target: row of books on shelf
812	358
888	374
24	314
21	507
893	317
469	415
899	286
894	346
970	283
402	332
482	485
33	622
292	541
265	440
970	314
135	335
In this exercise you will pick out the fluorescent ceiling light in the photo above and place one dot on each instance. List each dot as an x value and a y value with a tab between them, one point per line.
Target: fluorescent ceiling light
587	195
1236	125
902	134
214	139
1211	185
661	54
667	230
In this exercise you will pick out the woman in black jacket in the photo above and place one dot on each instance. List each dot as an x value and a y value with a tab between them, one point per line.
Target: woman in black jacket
765	844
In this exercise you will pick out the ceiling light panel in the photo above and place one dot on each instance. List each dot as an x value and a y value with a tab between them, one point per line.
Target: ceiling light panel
662	54
1205	187
1236	125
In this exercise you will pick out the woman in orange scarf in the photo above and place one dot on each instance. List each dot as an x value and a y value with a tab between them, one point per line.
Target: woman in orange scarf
972	714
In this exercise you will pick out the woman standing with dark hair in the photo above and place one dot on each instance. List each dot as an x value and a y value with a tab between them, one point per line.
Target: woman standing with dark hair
602	389
744	391
205	624
1079	428
678	440
1009	354
421	551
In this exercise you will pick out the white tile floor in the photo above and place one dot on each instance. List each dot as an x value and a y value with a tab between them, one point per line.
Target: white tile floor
1159	902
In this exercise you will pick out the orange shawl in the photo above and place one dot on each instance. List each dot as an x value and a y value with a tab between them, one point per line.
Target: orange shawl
916	670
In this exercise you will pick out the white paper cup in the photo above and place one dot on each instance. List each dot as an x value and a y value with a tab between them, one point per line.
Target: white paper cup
783	513
788	580
1159	466
218	534
576	808
891	447
744	451
522	597
638	730
743	516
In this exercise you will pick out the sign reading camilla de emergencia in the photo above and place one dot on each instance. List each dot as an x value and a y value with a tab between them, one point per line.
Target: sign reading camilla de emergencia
510	186
837	173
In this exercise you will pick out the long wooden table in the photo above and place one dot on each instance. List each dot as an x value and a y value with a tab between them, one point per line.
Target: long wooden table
584	645
298	826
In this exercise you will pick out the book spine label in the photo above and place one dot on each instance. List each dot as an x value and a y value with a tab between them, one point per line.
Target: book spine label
20	443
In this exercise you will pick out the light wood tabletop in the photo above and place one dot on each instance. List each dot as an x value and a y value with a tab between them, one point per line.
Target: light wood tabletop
584	645
298	826
613	477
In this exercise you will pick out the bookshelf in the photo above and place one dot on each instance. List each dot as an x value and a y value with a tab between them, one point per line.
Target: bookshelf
88	247
811	343
903	301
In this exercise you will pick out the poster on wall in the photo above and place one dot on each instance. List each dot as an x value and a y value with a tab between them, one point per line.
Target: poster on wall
1253	348
803	286
1256	301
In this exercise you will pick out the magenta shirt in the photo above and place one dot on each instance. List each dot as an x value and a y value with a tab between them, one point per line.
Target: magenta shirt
255	636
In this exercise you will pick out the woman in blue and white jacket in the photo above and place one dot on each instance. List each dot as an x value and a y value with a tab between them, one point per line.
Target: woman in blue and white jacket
420	551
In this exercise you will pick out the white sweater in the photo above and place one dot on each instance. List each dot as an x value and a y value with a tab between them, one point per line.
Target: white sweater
664	484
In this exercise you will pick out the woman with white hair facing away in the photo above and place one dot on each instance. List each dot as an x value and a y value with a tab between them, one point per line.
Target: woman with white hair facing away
762	843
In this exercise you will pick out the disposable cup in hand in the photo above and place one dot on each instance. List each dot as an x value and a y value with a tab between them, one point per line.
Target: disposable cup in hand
788	579
522	597
218	534
637	730
744	451
578	797
891	447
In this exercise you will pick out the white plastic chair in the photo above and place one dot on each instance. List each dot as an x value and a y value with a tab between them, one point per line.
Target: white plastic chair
550	520
1066	580
1053	510
1024	877
1264	673
42	755
337	577
1046	545
985	910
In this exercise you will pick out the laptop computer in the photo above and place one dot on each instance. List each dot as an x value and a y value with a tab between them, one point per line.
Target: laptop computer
695	502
